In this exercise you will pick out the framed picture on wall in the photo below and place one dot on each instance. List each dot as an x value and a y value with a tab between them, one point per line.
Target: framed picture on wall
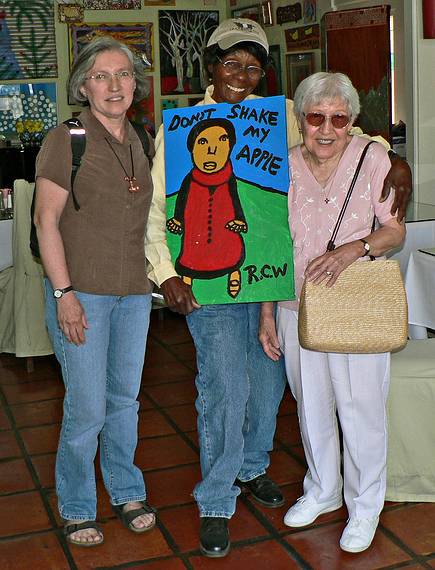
251	12
183	37
298	66
137	36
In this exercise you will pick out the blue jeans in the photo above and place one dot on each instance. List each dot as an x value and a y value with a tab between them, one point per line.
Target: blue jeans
239	392
102	380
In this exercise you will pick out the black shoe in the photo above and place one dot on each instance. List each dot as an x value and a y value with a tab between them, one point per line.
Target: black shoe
265	491
214	538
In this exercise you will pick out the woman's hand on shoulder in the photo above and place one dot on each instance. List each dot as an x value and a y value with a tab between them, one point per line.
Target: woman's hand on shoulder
327	267
72	318
399	179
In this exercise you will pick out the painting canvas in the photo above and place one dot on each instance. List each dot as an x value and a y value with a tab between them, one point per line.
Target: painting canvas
183	37
142	112
19	101
252	12
159	2
309	11
227	200
112	4
27	40
138	37
304	37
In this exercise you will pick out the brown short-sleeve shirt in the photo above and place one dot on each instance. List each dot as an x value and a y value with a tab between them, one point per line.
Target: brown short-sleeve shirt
104	240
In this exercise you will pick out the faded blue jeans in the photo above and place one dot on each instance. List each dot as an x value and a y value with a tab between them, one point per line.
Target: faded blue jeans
102	380
239	392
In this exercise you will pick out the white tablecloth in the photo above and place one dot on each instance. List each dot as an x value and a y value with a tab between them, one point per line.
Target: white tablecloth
420	290
5	244
419	234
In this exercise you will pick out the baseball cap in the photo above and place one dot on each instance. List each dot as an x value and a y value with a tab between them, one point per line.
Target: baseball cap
236	30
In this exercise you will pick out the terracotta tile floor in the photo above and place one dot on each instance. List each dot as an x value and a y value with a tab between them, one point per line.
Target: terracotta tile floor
30	527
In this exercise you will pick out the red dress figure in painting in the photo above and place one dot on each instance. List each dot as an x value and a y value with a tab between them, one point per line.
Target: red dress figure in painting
208	213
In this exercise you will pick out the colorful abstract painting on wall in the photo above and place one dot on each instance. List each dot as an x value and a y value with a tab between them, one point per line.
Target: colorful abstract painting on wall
227	200
112	4
27	40
138	37
34	102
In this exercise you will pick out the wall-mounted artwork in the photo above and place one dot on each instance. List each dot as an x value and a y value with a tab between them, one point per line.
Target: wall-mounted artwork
34	102
290	13
271	83
69	13
138	37
251	12
304	37
309	11
27	40
169	104
183	37
227	200
142	112
299	66
112	4
159	2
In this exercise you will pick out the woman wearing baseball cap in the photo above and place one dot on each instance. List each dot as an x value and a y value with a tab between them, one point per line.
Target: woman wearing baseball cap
239	388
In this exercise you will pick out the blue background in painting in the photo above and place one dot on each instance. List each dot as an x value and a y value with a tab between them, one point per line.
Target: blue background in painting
179	162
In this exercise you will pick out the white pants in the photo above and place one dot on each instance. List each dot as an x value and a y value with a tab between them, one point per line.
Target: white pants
356	386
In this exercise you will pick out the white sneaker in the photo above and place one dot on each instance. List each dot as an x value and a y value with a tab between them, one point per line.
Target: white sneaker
358	534
305	511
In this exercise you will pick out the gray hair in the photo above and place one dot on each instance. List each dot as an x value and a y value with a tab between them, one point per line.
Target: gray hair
325	86
86	60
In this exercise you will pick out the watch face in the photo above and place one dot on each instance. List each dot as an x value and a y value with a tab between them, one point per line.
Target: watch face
57	293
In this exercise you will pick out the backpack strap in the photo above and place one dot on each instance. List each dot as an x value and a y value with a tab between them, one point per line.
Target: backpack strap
144	139
78	147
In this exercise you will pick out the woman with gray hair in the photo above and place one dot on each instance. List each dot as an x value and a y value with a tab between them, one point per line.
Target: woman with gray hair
98	297
354	385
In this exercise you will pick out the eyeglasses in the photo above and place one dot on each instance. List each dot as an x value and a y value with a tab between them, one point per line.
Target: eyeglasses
234	67
316	119
103	77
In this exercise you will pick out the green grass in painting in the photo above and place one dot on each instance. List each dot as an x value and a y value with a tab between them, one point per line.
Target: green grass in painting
267	272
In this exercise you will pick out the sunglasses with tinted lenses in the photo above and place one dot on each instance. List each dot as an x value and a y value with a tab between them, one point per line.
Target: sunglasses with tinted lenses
316	119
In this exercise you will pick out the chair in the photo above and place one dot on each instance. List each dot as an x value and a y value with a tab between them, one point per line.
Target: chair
22	318
411	418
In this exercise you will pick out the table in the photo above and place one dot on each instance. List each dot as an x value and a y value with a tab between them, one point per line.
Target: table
420	291
5	244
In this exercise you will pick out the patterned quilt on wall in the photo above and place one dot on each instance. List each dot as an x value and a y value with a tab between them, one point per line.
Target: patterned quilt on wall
27	39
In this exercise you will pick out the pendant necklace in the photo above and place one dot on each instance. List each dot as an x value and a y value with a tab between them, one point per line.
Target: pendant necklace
329	181
130	179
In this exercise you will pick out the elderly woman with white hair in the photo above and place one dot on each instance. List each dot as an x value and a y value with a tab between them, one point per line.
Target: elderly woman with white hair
354	385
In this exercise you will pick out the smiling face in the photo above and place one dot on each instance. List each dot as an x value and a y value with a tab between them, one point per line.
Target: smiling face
109	99
211	149
233	87
326	142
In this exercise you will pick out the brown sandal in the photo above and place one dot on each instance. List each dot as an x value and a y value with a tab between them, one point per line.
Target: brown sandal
128	517
71	527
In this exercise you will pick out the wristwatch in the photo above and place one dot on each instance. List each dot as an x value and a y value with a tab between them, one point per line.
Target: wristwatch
58	293
366	247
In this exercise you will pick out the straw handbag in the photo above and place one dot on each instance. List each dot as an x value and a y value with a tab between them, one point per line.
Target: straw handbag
365	311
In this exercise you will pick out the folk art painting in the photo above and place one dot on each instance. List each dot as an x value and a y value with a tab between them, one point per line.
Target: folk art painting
27	40
183	37
227	220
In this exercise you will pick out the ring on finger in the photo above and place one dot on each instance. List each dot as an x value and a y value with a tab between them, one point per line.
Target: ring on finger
329	273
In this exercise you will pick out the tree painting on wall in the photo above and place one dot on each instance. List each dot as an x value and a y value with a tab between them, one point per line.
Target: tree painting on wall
27	39
183	37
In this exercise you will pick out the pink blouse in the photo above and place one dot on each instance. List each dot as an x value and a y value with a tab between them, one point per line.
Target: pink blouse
312	219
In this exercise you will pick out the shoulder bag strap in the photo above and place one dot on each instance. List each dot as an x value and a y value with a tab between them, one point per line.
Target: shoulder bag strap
331	242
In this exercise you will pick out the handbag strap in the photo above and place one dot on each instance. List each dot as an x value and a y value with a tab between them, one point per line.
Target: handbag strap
331	242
